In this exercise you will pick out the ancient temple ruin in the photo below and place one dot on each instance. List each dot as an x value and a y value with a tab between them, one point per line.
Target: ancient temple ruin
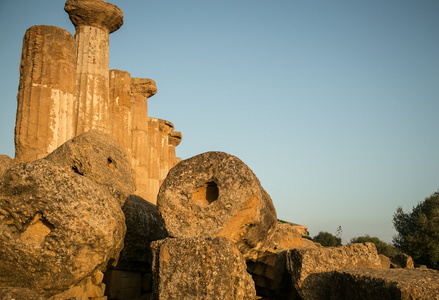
96	205
66	88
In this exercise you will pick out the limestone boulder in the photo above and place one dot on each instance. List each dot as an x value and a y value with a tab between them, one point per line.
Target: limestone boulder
57	227
90	287
144	225
310	268
401	260
216	194
200	268
5	163
385	284
385	261
267	264
285	236
98	157
14	293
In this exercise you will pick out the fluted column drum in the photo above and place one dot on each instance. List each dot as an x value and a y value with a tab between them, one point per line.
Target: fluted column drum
46	92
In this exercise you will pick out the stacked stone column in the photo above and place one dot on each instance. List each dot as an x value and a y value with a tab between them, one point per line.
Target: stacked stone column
66	89
120	110
46	92
141	90
94	21
174	139
162	142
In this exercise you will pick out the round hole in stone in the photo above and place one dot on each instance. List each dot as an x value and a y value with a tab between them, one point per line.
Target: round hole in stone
206	193
110	162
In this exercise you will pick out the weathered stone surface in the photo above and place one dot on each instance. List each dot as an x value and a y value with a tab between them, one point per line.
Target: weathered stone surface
15	293
401	260
98	157
385	261
56	227
267	264
286	236
89	288
309	268
45	99
216	194
271	276
141	145
5	163
120	110
162	140
143	86
200	268
386	284
94	13
144	225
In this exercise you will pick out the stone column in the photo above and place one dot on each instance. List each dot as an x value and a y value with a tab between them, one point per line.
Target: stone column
153	181
174	139
46	92
120	110
141	90
94	20
162	143
166	128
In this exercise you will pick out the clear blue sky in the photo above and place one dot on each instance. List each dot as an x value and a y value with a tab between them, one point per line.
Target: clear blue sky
333	104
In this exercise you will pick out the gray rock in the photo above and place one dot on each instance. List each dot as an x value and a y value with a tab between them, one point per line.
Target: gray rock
385	284
216	194
56	227
200	268
98	157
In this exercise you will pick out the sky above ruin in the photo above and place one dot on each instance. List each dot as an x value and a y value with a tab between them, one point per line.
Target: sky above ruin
333	104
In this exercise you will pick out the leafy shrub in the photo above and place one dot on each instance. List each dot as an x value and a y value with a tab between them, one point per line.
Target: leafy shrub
326	239
418	232
382	247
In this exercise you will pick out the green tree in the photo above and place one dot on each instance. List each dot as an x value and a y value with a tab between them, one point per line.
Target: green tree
326	239
382	247
418	232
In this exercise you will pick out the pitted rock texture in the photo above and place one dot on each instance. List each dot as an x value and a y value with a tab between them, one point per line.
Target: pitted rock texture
401	260
89	288
309	268
5	163
98	157
216	194
13	293
145	86
144	225
94	13
267	264
286	236
200	268
56	227
386	284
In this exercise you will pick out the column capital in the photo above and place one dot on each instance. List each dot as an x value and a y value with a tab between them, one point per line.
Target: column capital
94	13
165	126
174	138
143	86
